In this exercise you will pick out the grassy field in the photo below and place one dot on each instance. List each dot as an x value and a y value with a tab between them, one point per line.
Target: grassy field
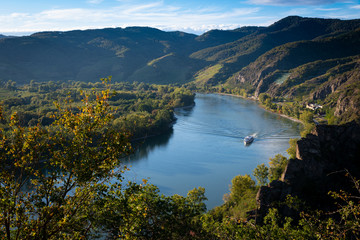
204	75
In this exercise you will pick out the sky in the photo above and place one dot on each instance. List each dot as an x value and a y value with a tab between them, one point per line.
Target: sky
23	17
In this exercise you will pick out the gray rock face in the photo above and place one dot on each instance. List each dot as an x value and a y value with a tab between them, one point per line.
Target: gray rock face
348	104
322	159
329	87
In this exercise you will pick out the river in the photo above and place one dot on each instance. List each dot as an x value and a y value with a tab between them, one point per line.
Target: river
205	147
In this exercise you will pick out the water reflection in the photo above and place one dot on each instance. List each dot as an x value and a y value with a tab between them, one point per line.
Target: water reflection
148	145
184	111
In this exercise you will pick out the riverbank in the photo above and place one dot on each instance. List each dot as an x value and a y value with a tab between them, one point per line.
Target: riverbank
255	100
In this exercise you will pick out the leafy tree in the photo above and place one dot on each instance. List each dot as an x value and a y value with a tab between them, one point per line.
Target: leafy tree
277	166
292	149
240	186
261	173
240	200
307	117
138	211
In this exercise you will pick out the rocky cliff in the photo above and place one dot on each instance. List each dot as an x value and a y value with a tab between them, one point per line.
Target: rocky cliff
322	160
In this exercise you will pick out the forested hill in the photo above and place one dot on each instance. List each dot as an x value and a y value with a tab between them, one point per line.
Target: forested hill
150	55
294	58
140	54
88	55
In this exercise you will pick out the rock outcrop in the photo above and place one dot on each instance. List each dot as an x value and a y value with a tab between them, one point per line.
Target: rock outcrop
322	161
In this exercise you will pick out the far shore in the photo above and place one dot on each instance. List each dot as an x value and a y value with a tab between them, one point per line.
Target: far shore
255	100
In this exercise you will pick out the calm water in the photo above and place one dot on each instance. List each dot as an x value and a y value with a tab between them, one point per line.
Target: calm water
206	146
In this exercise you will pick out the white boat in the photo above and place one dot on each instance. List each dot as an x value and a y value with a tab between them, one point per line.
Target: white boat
248	139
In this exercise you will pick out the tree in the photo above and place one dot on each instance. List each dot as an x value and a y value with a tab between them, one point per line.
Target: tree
277	166
240	185
307	117
50	176
292	149
261	173
138	211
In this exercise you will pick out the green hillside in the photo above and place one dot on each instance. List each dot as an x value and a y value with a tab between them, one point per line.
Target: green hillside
88	55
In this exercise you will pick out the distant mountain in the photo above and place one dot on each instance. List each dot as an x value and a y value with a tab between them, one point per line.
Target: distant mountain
88	55
218	37
127	54
4	36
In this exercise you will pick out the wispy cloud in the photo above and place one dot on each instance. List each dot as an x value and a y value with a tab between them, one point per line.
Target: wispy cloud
293	2
95	1
144	8
153	14
328	9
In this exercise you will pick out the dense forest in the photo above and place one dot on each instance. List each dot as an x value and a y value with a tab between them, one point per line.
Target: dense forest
62	141
138	108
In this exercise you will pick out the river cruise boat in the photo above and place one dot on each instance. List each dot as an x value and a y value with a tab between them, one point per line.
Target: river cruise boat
248	140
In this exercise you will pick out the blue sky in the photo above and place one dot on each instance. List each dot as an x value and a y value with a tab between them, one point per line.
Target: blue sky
20	17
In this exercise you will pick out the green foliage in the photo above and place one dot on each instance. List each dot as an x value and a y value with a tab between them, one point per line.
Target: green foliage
277	166
80	150
263	97
138	211
307	117
261	173
238	202
330	117
307	129
139	108
205	75
312	225
264	174
292	149
240	185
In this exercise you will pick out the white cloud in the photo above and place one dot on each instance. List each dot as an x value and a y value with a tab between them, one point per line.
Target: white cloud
95	1
328	9
153	14
298	12
143	7
293	2
64	14
355	7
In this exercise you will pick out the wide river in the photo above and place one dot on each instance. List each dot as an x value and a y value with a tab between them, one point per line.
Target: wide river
206	146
